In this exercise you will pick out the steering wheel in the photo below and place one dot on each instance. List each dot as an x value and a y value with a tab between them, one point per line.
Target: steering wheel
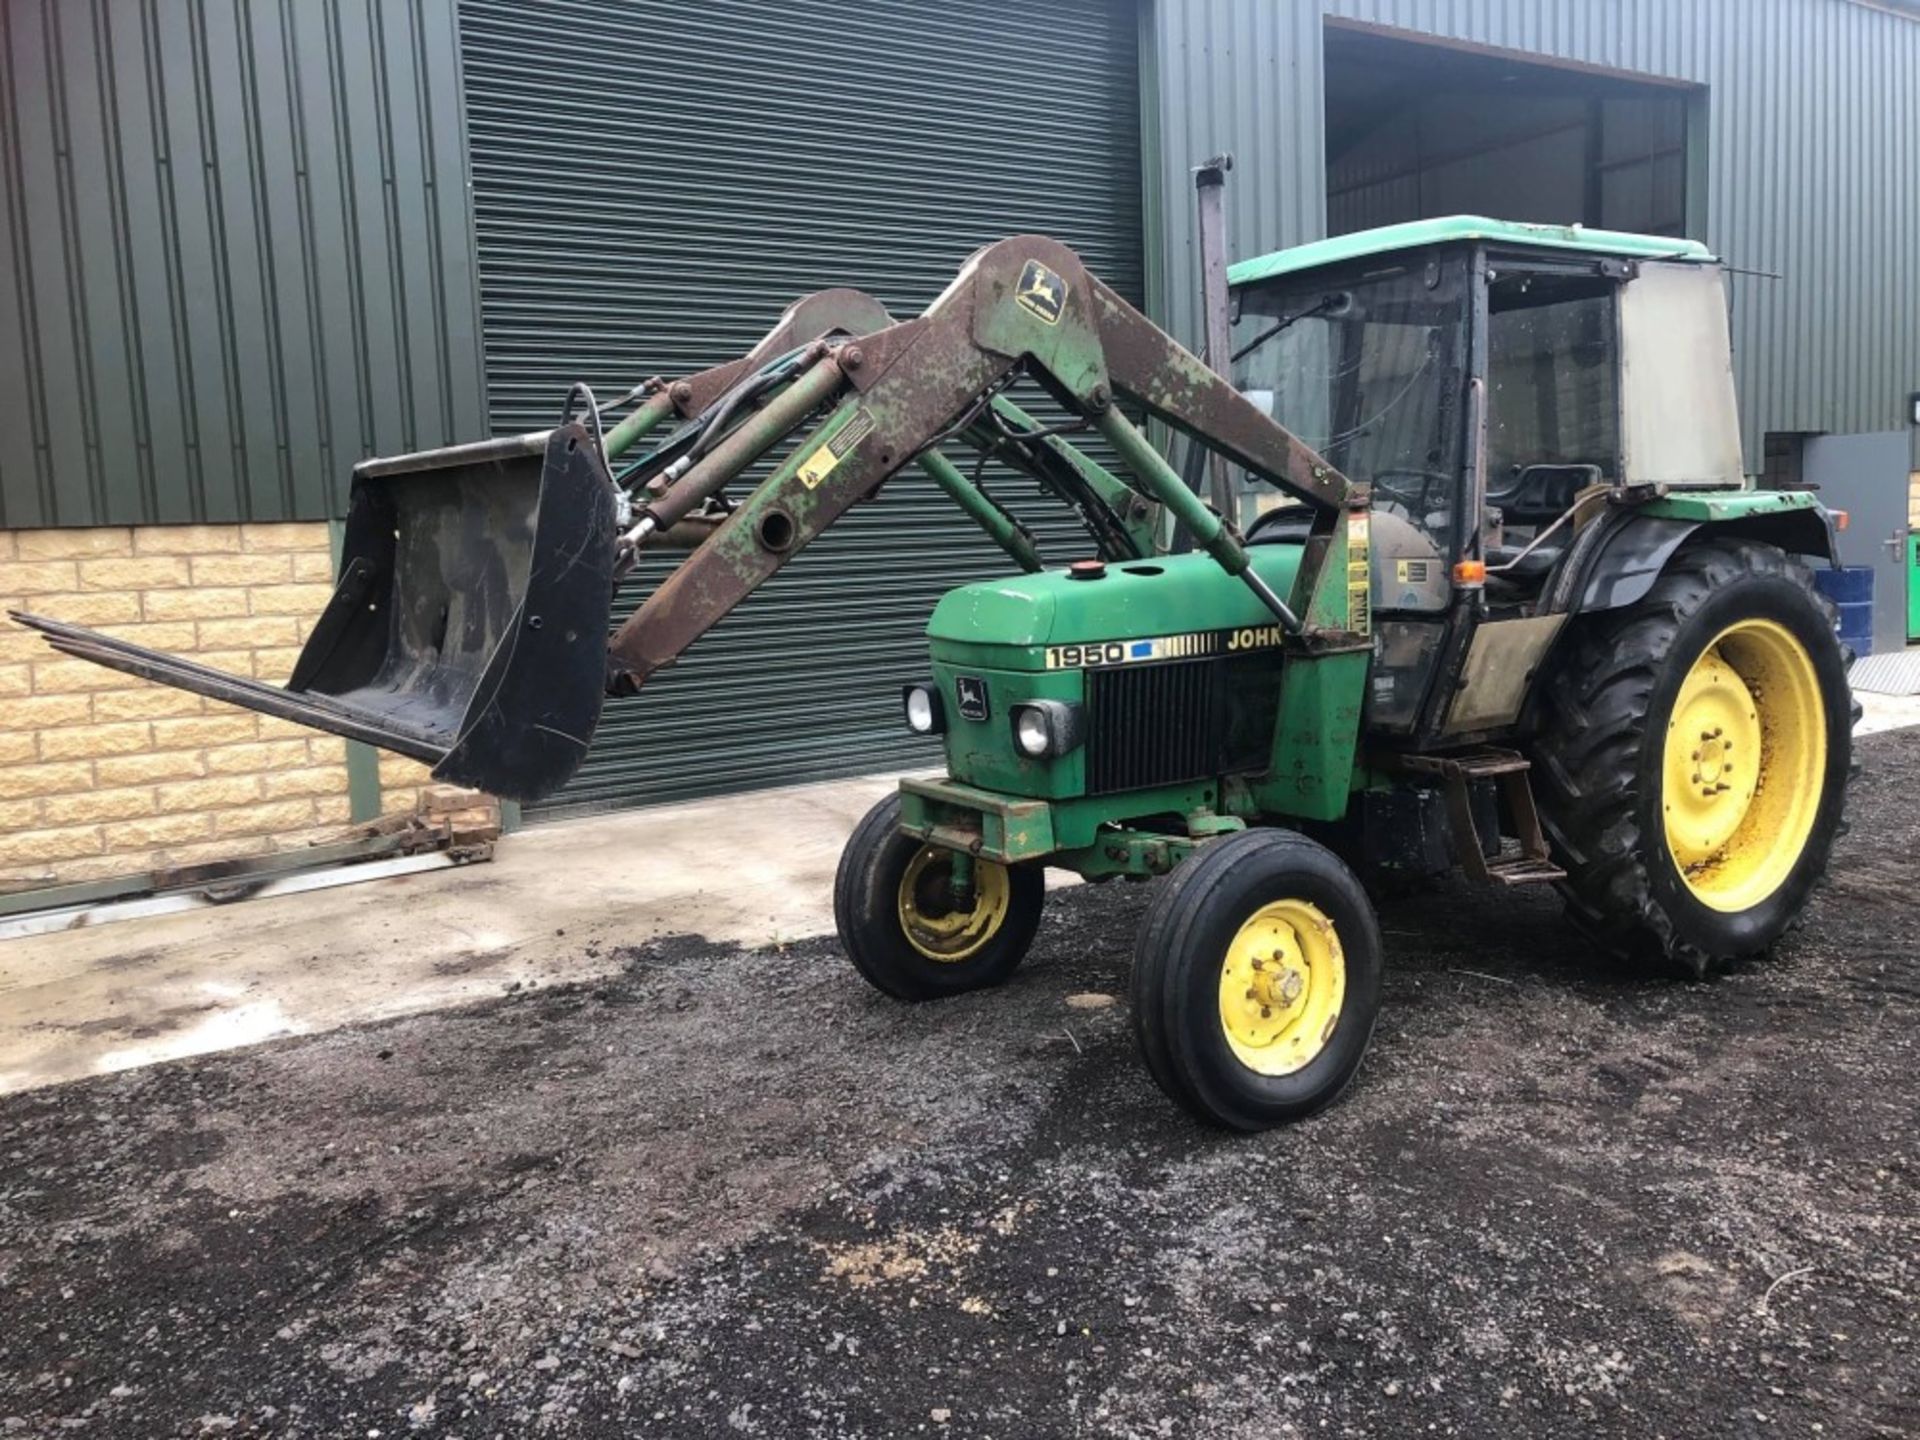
1410	488
1285	524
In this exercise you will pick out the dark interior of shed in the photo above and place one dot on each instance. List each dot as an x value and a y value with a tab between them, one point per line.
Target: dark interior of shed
1416	130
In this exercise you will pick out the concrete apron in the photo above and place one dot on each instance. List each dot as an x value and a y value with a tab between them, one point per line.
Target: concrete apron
555	905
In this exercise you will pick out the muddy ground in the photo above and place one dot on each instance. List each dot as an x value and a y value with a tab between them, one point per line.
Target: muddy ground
732	1192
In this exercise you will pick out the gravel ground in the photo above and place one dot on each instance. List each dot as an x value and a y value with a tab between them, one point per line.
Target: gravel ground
732	1192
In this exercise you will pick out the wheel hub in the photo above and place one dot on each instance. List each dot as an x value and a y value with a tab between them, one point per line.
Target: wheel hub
936	922
1281	986
1713	752
1743	765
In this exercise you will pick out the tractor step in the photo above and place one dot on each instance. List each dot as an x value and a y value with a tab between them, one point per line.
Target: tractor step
1523	870
1507	768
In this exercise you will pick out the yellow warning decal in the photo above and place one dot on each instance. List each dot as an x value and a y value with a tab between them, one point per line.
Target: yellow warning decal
835	448
1359	575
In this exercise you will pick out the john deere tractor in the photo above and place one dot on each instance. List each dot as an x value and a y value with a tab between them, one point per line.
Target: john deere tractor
1445	560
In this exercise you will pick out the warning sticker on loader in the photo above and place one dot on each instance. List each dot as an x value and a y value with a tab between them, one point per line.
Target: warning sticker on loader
1041	292
1359	575
835	448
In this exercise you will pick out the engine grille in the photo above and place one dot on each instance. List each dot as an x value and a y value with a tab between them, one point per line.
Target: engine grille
1153	724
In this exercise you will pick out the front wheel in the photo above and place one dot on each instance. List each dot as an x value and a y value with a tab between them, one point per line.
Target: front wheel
908	932
1256	980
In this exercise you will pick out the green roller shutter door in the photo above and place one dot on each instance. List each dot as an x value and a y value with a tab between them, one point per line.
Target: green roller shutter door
653	184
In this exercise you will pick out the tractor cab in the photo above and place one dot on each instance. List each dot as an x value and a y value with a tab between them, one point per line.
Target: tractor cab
1498	386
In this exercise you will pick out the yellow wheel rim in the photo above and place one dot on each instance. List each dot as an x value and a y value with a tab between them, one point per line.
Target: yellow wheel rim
931	923
1281	987
1744	766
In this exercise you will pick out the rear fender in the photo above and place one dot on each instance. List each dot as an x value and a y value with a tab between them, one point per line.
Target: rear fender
1625	564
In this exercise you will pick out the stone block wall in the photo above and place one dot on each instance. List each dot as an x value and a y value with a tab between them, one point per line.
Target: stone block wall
102	774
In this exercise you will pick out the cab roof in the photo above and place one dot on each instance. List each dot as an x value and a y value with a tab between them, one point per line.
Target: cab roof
1453	229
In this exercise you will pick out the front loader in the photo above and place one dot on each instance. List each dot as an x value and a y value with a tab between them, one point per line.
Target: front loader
1478	586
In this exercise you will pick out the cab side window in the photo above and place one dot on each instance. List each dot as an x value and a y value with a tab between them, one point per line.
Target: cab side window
1553	393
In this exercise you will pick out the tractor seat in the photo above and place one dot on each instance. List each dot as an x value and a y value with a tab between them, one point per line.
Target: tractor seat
1535	566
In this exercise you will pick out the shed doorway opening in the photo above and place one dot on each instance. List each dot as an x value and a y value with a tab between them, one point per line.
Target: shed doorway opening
1417	129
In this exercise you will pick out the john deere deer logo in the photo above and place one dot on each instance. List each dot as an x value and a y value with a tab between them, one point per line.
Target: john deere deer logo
1041	292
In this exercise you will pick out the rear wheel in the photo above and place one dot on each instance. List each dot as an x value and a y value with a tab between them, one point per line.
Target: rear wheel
1256	980
1694	755
907	931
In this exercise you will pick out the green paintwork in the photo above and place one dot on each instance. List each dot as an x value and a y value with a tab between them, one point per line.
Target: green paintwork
1000	632
1009	622
1913	588
982	752
1139	519
1015	828
1130	852
643	421
1007	828
736	540
999	525
1315	741
1454	229
1163	482
1707	506
1068	349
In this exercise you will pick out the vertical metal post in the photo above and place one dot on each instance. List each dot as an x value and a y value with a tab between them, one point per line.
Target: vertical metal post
1210	190
362	760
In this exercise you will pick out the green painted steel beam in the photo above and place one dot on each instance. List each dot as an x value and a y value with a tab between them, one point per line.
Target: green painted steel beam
1001	527
1709	506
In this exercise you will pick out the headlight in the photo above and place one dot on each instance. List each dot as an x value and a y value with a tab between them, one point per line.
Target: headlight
1046	727
924	715
1030	730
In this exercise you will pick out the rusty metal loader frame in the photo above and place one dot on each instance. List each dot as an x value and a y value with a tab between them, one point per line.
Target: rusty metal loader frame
480	654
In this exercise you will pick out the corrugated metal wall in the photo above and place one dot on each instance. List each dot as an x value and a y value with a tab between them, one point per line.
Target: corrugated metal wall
1812	161
238	254
650	206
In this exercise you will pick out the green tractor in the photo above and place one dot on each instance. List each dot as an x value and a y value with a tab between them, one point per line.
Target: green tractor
1477	584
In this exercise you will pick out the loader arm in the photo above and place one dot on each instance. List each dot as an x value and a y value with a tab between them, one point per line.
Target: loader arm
1026	305
466	628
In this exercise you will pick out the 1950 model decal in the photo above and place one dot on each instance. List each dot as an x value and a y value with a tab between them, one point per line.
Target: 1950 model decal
1097	653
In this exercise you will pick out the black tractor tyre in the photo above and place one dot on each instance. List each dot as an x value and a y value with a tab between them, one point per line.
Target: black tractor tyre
1600	756
1180	969
871	906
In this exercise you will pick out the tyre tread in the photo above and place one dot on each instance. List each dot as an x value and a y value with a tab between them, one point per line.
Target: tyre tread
1589	750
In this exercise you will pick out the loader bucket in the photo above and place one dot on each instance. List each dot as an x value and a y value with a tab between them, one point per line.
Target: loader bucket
468	628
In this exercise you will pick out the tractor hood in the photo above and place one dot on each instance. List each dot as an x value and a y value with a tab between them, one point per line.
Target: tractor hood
1012	624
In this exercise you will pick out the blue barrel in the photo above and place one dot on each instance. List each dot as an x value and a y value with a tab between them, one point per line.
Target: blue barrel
1851	589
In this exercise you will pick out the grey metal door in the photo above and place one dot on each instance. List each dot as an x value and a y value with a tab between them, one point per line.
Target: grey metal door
653	183
1866	475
